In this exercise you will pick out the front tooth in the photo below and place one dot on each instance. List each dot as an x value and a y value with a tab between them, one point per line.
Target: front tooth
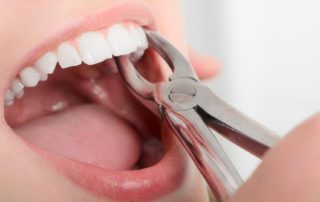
120	40
47	63
136	36
139	36
29	77
94	48
68	56
143	37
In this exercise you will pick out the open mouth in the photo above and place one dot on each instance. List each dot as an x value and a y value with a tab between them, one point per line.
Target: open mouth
72	107
84	111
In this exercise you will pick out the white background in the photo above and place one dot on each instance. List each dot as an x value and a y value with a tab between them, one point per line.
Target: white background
270	56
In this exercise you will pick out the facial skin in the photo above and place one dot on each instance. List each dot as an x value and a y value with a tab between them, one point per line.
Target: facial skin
24	175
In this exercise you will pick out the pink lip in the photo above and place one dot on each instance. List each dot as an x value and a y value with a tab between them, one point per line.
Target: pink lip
146	184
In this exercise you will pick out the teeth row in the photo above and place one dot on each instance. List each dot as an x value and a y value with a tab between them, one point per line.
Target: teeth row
90	48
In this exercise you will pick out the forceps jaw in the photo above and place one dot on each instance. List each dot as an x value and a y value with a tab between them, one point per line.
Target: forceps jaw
134	80
179	65
169	53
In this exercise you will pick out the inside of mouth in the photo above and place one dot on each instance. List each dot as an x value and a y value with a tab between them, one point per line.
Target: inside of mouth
87	114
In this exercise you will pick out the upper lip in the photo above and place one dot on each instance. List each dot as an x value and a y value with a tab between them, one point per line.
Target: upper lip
117	184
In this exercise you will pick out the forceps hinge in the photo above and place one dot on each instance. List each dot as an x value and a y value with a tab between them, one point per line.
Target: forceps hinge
185	94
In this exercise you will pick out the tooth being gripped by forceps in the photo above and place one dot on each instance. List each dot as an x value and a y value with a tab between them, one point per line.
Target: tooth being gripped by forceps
196	115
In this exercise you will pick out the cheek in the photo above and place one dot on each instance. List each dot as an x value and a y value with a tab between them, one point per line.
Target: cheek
169	19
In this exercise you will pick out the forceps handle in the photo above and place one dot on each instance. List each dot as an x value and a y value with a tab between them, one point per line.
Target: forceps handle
234	125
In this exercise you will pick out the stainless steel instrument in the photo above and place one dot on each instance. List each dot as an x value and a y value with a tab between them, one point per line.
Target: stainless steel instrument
196	114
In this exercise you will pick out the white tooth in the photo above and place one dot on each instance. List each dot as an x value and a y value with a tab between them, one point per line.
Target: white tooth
44	77
120	40
9	96
136	36
94	48
16	87
8	103
47	63
19	95
29	77
139	36
68	56
143	38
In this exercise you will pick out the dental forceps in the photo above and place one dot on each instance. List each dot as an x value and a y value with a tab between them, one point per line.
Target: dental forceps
197	115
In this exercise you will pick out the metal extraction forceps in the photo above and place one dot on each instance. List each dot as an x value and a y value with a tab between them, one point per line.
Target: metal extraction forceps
196	115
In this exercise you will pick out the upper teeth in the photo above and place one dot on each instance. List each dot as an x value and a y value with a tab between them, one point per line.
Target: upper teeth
90	48
121	41
94	48
68	55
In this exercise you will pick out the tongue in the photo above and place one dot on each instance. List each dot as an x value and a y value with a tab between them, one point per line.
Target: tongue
86	133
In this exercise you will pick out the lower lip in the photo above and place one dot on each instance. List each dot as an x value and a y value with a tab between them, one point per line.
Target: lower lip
150	183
